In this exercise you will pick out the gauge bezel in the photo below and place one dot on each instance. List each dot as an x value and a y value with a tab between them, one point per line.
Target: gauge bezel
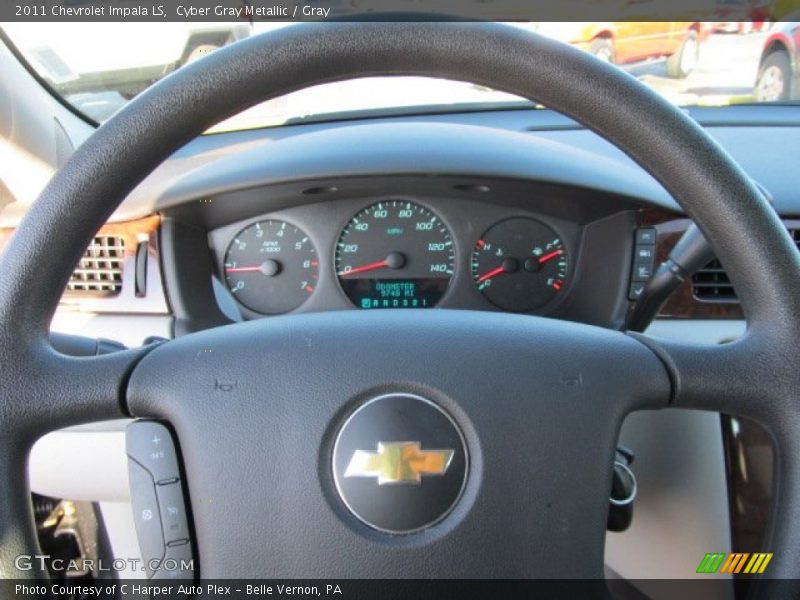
554	300
247	310
456	251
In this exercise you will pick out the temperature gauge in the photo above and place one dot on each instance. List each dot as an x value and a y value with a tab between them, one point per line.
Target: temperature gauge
520	264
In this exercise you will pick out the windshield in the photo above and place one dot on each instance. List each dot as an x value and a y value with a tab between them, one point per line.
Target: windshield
97	68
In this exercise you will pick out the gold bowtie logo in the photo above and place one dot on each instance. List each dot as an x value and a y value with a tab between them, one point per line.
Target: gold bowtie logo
399	462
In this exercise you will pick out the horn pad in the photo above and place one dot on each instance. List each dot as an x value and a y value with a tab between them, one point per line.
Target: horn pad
399	463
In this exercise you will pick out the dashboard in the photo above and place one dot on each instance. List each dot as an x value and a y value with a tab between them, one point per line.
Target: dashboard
519	211
356	217
447	211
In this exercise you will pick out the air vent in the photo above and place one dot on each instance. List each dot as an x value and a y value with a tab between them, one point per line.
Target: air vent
711	283
100	270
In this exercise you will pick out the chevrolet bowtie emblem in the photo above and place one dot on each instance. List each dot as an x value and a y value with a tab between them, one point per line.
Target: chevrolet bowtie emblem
398	462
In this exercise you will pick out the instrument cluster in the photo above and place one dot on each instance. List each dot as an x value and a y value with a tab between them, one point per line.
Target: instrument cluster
395	253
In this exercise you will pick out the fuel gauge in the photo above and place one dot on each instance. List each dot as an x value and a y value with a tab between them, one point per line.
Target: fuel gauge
520	264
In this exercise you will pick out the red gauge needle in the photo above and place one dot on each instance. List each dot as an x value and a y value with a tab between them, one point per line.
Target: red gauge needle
395	260
381	264
269	267
491	274
550	255
510	265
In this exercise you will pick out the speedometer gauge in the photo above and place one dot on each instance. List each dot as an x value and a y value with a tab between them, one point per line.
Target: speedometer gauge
520	264
395	254
271	267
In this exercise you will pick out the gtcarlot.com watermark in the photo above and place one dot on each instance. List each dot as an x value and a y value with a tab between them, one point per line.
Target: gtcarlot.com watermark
42	562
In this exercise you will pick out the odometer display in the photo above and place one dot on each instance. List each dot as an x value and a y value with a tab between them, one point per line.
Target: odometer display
395	254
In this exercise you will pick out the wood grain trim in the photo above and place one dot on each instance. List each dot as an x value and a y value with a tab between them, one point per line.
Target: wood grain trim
682	304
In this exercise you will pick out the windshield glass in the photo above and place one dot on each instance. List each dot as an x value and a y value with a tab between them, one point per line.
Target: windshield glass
97	68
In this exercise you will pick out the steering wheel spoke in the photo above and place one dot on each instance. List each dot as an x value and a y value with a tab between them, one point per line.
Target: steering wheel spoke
756	378
49	391
750	377
55	390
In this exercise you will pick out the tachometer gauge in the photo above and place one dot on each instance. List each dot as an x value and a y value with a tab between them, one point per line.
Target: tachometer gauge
271	267
520	264
394	254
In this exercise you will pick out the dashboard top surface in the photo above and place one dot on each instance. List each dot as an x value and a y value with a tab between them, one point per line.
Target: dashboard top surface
527	144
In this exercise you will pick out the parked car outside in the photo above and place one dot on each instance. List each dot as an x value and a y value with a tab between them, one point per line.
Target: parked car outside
623	43
779	67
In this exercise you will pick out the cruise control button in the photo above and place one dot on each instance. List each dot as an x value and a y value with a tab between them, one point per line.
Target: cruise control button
645	253
642	272
173	512
145	514
150	444
636	290
646	236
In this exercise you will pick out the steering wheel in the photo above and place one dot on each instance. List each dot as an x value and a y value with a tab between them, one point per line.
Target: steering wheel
524	412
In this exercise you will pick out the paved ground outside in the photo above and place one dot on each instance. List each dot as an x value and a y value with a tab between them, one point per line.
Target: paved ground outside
726	72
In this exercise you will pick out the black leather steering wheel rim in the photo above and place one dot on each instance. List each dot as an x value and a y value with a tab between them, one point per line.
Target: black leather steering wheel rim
755	376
